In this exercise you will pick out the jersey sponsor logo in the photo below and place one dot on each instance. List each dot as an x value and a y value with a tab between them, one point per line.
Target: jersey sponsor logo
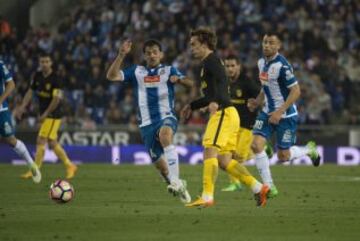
152	79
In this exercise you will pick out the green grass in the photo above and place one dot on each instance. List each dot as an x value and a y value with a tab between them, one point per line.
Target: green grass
131	203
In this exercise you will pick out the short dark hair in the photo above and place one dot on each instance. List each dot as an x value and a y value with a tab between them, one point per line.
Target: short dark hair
150	43
273	33
44	54
206	36
233	57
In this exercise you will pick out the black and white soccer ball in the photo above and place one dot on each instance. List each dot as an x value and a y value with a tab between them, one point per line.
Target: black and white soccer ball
61	191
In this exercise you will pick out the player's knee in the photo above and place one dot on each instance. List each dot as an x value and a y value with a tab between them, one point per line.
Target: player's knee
52	144
283	156
40	141
256	146
165	136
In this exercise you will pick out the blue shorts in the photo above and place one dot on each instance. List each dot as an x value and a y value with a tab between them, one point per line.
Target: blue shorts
285	130
150	136
6	126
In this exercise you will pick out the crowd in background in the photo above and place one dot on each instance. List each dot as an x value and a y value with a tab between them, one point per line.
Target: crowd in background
320	38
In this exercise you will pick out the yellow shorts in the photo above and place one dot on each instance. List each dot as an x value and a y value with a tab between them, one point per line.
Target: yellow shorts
243	150
49	128
221	130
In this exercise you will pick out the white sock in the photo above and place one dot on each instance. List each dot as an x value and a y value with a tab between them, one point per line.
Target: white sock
297	151
172	159
263	166
256	188
22	151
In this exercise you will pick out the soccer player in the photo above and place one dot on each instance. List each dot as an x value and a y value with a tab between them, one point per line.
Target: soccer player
7	85
279	92
220	136
241	89
153	86
46	87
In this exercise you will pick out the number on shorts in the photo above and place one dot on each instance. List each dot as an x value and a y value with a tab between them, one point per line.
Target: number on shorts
258	124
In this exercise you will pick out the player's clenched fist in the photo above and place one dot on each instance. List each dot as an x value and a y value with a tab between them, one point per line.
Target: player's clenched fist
125	47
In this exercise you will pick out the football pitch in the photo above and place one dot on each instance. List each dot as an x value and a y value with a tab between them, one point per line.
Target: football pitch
129	202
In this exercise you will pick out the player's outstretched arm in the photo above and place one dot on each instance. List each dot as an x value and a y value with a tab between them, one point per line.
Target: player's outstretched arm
113	72
9	87
27	98
254	103
186	81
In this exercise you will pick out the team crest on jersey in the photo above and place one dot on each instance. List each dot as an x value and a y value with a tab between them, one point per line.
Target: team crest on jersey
152	79
238	92
162	71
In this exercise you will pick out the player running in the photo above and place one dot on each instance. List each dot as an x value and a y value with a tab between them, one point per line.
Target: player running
220	136
46	87
279	92
242	89
153	86
7	85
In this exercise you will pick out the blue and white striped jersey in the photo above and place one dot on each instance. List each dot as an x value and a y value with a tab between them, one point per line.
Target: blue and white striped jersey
154	93
5	76
276	77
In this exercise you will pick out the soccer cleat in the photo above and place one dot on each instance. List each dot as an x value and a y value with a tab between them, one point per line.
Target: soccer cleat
26	175
35	173
179	189
269	150
200	203
232	187
70	171
261	197
313	153
273	192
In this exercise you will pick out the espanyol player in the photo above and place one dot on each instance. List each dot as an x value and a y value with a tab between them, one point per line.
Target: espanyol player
153	86
279	92
7	85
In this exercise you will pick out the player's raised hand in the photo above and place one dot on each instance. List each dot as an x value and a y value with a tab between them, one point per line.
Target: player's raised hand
186	112
125	47
252	104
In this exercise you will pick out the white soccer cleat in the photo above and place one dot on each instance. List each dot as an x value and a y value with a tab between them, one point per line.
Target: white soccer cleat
179	189
36	174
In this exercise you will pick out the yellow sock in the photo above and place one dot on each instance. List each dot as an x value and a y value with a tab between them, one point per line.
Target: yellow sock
39	155
240	171
61	154
210	173
233	179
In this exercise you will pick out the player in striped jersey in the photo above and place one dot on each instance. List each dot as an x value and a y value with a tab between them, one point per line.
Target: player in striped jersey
280	90
153	86
7	85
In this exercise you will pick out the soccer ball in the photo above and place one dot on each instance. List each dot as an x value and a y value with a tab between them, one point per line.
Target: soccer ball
61	191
